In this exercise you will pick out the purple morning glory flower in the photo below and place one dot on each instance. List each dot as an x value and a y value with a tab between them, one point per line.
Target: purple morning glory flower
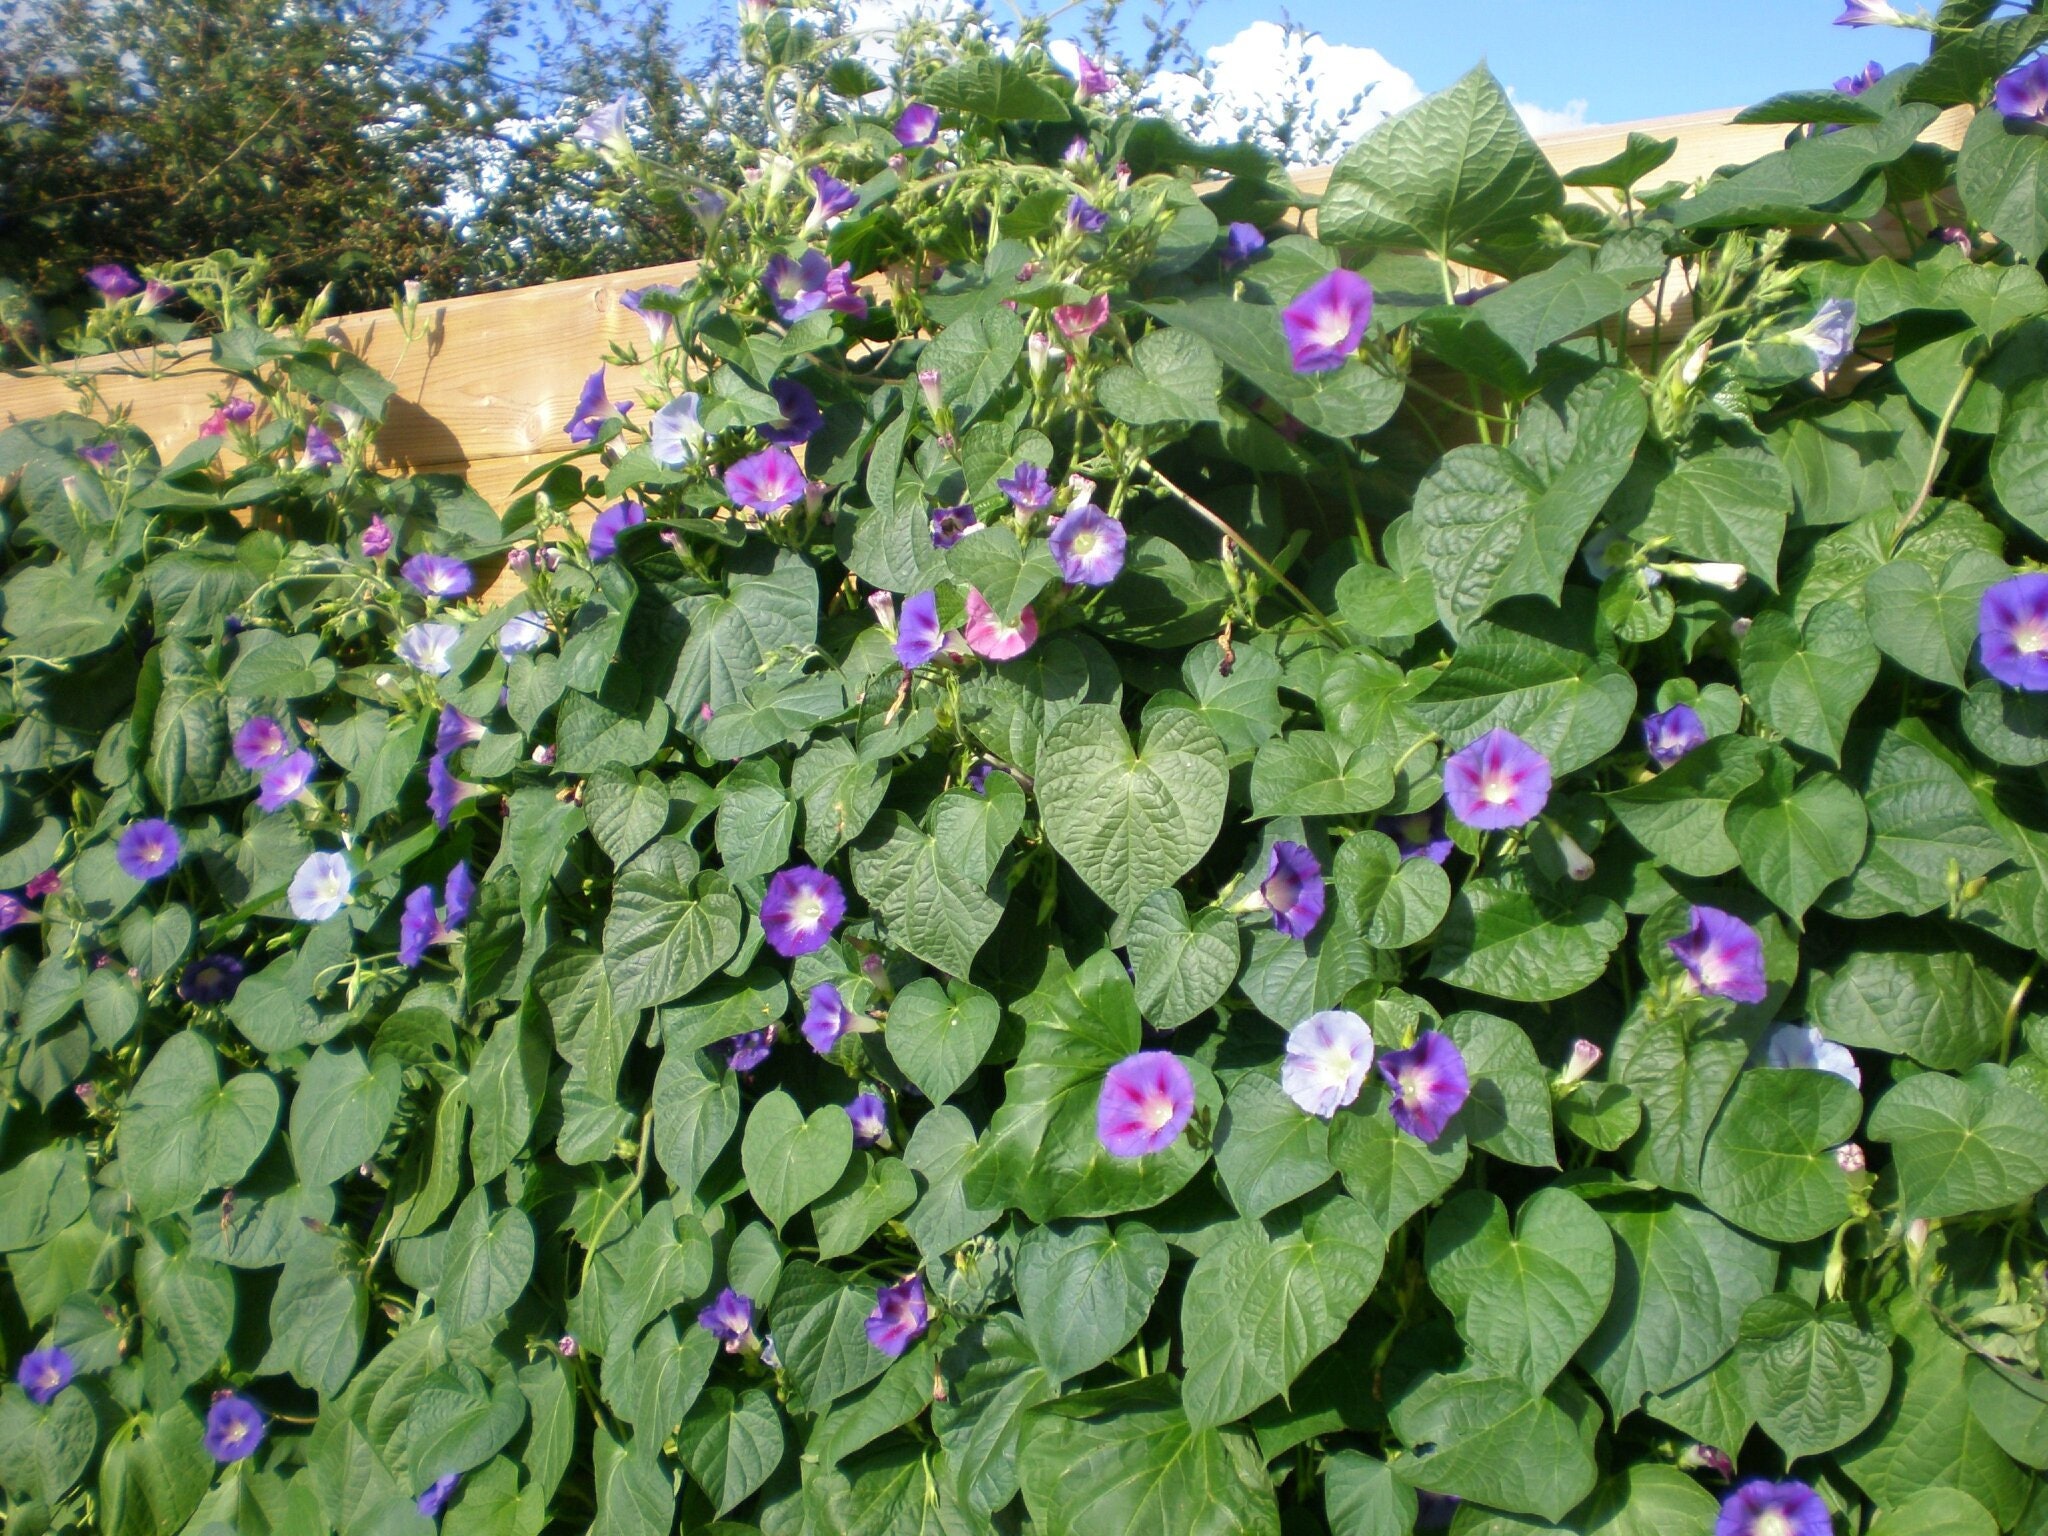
1868	13
419	927
445	791
112	281
827	1019
730	1320
1830	335
1327	321
1088	546
590	410
43	1373
234	1428
1328	1055
1147	1100
834	196
659	322
674	435
1856	85
1241	242
260	742
1085	216
952	524
841	295
523	633
802	907
441	576
744	1052
2023	94
285	781
376	542
1803	1046
1293	890
149	850
900	1317
801	418
766	481
797	288
458	895
918	636
1092	77
605	124
918	125
100	455
1723	955
455	730
1429	1082
1668	736
438	1493
611	522
870	1119
1420	835
1029	489
2012	631
1498	781
13	913
322	452
1758	1508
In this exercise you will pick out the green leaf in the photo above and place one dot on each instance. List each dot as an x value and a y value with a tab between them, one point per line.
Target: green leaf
184	1132
1796	839
2013	1407
1008	575
2002	177
1824	173
1729	502
505	1085
1398	901
1936	1512
1011	707
1172	377
318	1316
488	1262
1508	1112
1930	622
1680	815
789	1160
340	1112
941	1150
819	1327
1806	681
695	1114
1770	1165
925	886
662	938
1084	1289
44	1451
1268	1150
730	1443
1924	824
1385	1168
188	1313
1638	158
1943	1007
939	1035
1488	1438
1249	340
1961	1144
999	89
872	1190
1362	1497
459	1420
1815	1376
1504	939
1181	965
44	1193
992	1378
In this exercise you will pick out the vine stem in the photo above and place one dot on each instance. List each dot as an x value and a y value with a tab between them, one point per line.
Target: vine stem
639	1177
1216	521
1948	420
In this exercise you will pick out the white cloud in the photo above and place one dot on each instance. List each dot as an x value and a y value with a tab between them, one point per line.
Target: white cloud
1542	120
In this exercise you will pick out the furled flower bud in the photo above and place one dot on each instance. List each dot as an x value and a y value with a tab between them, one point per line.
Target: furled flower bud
933	389
1849	1156
1707	1458
1039	350
544	755
1695	365
1585	1057
1724	574
567	1345
884	606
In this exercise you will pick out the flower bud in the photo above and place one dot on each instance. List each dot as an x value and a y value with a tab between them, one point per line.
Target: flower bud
519	562
1080	490
1076	151
1585	1057
1849	1157
1712	573
933	389
1917	1232
1707	1458
567	1345
413	290
884	606
1578	863
544	755
1694	365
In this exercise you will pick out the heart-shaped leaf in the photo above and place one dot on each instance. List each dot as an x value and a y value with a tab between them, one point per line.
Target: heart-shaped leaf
184	1132
1181	964
1815	1377
790	1161
938	1035
1770	1165
1084	1289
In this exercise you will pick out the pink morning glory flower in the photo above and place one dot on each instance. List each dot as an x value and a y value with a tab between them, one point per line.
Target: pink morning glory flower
801	420
918	636
2012	631
112	281
1671	734
1077	322
611	522
1092	77
441	576
1327	321
1293	890
1147	1101
234	1428
149	850
1029	489
802	907
284	781
1429	1082
1802	1045
43	1373
730	1320
1420	835
1498	781
900	1317
1241	242
48	883
952	524
1723	956
1328	1055
918	125
827	1018
988	636
870	1119
260	742
2023	94
1088	546
766	481
1758	1508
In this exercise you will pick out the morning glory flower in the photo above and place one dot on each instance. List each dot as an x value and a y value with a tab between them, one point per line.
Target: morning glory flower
918	125
659	322
1857	84
918	636
2023	94
606	125
1293	890
1241	242
48	883
1327	321
426	647
283	782
100	455
802	907
900	1317
376	543
2012	631
213	980
260	742
149	850
1830	335
440	576
1085	216
674	436
1498	781
445	791
611	522
744	1052
1328	1055
1029	489
424	922
730	1320
522	633
43	1373
1147	1100
870	1119
1802	1045
1723	956
801	419
1093	79
1584	1058
234	1428
1077	322
321	450
112	281
589	414
1429	1082
438	1493
1435	1511
808	284
1088	546
1758	1508
458	895
952	524
834	197
1420	835
766	481
13	913
321	887
1868	13
1671	734
988	636
827	1019
455	730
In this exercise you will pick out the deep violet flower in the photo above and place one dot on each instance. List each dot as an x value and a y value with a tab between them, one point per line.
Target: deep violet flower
900	1317
426	646
766	481
234	1428
674	435
149	850
1868	13
1328	1055
1091	76
801	419
952	524
445	791
730	1320
419	926
744	1052
1430	1084
1088	546
2023	94
1085	216
285	780
112	281
1147	1100
2012	631
827	1018
988	636
1830	335
918	636
802	907
13	912
260	742
1241	242
458	895
1420	835
1327	321
918	125
1293	890
810	283
1498	781
455	730
322	452
1671	734
591	405
43	1373
441	576
438	1493
611	522
834	196
376	541
1723	956
1857	84
100	455
1029	489
1435	1511
870	1119
1758	1508
660	323
1077	322
1802	1045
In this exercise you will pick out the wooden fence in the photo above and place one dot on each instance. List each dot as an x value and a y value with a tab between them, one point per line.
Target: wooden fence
485	390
